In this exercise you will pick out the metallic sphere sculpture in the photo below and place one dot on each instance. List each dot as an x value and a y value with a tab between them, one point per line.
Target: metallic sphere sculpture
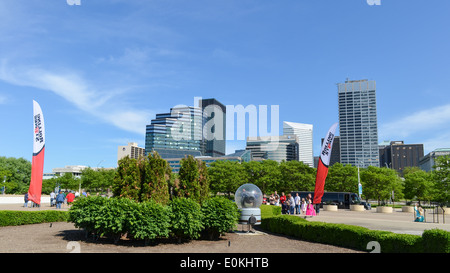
249	199
248	196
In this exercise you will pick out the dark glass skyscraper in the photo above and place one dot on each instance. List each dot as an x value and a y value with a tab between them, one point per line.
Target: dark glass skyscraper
358	128
214	135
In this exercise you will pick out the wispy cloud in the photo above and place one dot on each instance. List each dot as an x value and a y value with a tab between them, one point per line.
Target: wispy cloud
430	127
76	90
418	122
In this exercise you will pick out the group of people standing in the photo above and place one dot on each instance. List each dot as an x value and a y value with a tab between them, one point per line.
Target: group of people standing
293	205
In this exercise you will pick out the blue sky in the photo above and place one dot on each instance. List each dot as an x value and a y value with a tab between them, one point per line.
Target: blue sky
101	70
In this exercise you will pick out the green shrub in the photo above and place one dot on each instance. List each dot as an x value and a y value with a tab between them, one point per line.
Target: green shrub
436	241
112	220
148	221
16	218
219	216
186	218
85	211
270	210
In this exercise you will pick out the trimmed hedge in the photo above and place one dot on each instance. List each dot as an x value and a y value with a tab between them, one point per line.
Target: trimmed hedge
355	237
270	210
17	218
436	241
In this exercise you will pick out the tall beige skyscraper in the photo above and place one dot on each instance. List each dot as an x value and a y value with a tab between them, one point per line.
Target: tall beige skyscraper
358	128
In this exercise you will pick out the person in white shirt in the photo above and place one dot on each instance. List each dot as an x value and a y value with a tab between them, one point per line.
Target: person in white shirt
297	203
52	199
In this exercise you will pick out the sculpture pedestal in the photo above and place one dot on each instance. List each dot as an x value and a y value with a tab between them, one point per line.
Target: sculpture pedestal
246	213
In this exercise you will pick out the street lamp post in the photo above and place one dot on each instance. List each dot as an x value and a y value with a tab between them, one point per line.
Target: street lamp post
4	183
359	183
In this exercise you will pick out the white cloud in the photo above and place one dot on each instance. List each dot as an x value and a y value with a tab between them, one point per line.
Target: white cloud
75	89
429	127
422	121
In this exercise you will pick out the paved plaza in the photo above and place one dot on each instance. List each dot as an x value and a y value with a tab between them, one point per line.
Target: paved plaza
397	221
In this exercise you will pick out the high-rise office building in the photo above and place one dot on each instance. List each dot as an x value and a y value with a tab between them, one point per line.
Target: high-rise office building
177	133
214	128
304	133
189	130
358	129
266	147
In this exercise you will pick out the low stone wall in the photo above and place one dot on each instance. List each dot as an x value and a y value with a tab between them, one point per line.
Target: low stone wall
357	207
330	208
384	209
18	199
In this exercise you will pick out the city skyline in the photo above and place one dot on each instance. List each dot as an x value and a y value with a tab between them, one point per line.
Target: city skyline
102	70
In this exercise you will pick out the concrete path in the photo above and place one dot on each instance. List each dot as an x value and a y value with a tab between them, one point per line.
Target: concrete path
397	221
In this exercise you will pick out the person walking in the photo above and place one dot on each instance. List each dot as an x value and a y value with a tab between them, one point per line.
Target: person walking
52	198
25	199
291	204
70	197
283	201
60	199
297	203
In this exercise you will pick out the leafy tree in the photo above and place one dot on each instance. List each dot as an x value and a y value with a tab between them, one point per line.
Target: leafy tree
142	180
127	182
68	181
203	181
192	179
378	183
441	177
342	178
418	184
296	175
18	174
97	179
264	174
155	177
49	185
226	176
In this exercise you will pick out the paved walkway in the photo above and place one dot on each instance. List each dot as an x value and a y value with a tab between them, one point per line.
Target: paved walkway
44	206
397	221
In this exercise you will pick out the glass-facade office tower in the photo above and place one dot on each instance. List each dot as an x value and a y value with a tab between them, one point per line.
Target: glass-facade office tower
177	133
215	112
358	127
304	133
187	130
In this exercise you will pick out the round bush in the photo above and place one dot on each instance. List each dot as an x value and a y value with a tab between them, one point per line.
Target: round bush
219	216
186	218
148	220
